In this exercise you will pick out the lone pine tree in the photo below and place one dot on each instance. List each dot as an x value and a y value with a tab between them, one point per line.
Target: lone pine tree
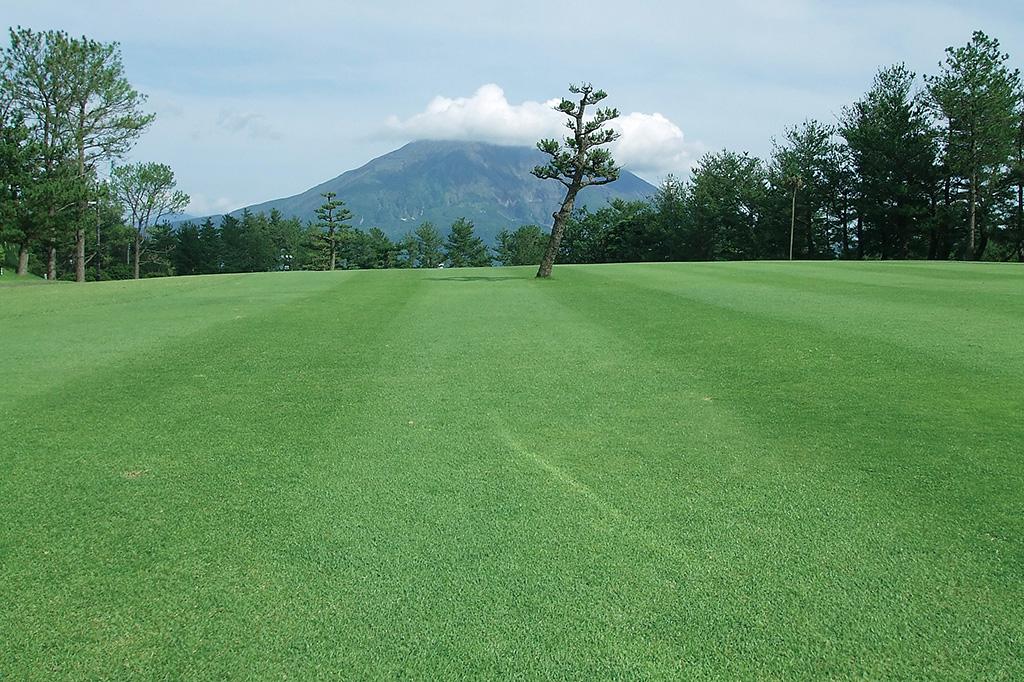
580	162
332	215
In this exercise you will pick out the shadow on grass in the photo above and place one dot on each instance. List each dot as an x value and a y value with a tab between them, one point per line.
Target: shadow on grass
473	278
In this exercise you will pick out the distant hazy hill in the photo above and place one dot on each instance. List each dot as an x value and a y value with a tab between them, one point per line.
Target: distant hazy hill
441	181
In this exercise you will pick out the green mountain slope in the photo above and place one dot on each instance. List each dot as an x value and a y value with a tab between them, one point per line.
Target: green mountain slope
441	181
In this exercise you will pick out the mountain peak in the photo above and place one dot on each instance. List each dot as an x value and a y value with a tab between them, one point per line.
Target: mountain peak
443	180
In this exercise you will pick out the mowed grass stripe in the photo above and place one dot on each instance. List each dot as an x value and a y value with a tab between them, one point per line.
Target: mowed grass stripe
56	334
473	473
825	437
176	461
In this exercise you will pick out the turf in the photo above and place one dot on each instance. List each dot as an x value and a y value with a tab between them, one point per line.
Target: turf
772	470
9	277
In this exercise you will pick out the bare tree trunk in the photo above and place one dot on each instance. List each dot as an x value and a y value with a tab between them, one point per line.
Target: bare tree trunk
1020	192
79	255
792	223
135	260
972	222
846	232
1020	221
83	207
51	264
334	252
947	218
557	229
23	259
860	237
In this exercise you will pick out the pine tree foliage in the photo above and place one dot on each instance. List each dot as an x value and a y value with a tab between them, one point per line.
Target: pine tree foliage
580	161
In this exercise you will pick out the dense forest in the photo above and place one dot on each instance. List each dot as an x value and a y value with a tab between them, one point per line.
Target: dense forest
928	167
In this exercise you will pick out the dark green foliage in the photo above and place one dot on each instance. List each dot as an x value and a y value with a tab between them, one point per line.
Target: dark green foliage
19	175
384	251
802	164
81	110
976	97
147	192
729	212
254	243
523	246
407	251
578	162
463	249
332	218
233	245
892	147
370	250
211	252
188	253
671	210
429	246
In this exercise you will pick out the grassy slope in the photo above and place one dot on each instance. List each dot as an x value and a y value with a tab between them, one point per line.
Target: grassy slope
10	277
775	470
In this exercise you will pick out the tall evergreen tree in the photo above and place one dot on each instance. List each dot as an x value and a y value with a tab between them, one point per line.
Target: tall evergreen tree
670	208
727	218
523	246
1017	180
429	246
331	218
975	97
188	250
383	252
892	148
210	251
408	250
800	170
232	245
19	178
80	107
147	193
463	249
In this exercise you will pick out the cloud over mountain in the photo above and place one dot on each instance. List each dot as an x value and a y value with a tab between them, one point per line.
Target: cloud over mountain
649	143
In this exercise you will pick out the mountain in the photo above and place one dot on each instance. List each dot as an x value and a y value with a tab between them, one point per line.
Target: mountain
441	181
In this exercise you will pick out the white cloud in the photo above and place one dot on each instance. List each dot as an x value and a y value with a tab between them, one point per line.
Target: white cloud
486	116
649	143
201	205
254	125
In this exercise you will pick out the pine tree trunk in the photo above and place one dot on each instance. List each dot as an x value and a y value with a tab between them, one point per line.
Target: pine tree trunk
945	225
1020	221
80	255
557	229
23	259
860	237
334	253
792	224
136	254
846	232
972	222
79	232
51	264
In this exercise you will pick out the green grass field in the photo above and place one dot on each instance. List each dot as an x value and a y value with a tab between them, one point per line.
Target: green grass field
9	278
769	470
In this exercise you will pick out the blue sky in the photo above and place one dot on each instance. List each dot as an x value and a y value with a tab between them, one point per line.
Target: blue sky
258	100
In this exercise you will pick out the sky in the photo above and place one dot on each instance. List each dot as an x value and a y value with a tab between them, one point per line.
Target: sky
258	100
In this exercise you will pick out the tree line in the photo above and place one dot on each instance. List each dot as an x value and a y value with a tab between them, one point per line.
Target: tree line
66	110
258	242
930	168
